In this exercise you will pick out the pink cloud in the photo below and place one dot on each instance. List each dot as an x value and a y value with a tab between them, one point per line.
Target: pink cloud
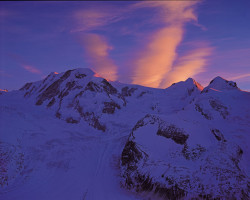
157	60
241	76
189	65
31	69
91	19
24	64
97	54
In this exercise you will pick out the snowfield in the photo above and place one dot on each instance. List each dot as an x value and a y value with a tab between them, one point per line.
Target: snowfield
75	135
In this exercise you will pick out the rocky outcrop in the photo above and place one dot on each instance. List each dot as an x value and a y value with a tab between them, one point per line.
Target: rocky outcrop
187	170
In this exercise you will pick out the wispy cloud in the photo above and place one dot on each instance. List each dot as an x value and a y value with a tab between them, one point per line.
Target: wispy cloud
95	18
24	64
3	73
240	76
97	54
157	60
31	69
95	45
189	65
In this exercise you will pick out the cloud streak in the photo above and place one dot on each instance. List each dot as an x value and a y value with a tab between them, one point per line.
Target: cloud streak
240	76
157	60
155	65
18	59
97	54
189	65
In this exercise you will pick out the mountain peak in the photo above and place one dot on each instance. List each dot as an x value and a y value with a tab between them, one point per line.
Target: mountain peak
86	71
189	83
194	82
219	84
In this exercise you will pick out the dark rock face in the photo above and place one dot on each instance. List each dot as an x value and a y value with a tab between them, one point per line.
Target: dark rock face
174	133
91	86
126	91
26	86
52	102
131	155
216	105
71	120
141	94
199	109
109	107
105	86
80	76
53	89
190	91
218	135
91	119
193	153
108	88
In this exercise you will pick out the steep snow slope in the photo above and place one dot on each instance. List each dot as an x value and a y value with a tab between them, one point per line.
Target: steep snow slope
64	137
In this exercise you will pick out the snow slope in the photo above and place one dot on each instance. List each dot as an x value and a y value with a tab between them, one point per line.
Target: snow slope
75	135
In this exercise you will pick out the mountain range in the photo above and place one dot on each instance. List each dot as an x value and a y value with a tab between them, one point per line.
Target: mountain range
76	135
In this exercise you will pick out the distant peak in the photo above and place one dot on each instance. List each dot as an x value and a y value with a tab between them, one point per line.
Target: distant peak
190	80
219	84
84	70
190	83
217	79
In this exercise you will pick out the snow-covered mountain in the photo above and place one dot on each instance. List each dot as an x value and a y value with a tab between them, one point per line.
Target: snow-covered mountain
75	135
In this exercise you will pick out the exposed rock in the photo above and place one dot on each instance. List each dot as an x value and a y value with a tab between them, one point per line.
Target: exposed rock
216	105
26	86
174	133
131	155
109	107
53	89
199	109
126	91
71	120
218	135
108	87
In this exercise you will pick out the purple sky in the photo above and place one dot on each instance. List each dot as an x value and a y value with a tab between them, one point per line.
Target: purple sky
144	42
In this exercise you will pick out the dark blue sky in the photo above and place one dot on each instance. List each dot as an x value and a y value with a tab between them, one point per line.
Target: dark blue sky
149	43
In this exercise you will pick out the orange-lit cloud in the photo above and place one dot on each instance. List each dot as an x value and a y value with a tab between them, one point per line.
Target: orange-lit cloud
96	46
95	18
157	60
97	53
31	69
240	76
24	64
187	66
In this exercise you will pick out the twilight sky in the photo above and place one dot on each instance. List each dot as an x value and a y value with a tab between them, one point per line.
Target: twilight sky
151	43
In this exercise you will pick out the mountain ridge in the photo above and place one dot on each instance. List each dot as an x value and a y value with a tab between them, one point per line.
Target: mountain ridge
184	141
